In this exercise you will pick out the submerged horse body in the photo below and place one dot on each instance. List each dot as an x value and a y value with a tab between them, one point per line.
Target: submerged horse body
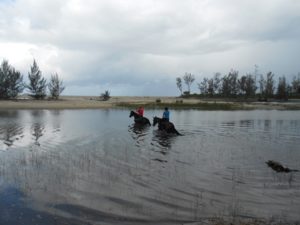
165	125
139	119
279	168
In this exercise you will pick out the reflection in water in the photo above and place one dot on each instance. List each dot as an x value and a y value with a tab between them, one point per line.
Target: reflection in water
56	121
228	124
11	114
138	133
18	127
10	133
37	128
37	132
247	123
14	210
93	172
36	114
164	141
267	125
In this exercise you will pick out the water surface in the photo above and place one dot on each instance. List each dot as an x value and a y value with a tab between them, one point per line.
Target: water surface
97	167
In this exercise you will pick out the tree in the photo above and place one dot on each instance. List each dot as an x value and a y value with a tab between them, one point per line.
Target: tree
267	86
247	85
188	79
217	83
37	84
210	87
11	81
55	86
179	84
230	84
270	85
296	84
203	86
233	81
262	86
225	86
242	85
282	89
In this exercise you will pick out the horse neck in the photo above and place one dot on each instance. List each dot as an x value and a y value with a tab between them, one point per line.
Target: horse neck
159	120
136	115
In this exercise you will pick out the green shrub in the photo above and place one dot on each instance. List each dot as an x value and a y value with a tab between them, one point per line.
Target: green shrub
105	96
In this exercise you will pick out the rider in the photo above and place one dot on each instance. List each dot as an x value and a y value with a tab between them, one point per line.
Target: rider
140	111
166	114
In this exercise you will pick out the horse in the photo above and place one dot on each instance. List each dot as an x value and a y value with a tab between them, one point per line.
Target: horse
165	125
279	168
138	119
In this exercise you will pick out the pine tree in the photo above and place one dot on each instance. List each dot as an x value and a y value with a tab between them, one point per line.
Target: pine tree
11	81
37	84
55	86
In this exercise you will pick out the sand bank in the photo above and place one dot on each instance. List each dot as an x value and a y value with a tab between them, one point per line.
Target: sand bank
93	102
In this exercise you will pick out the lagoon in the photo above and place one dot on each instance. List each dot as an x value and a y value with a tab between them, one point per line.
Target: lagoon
96	167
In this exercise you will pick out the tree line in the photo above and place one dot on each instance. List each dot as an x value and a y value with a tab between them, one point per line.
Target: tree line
248	86
12	84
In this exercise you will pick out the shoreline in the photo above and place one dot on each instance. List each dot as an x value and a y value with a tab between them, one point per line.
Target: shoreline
94	102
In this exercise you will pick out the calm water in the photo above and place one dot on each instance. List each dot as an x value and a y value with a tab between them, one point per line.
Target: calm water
96	167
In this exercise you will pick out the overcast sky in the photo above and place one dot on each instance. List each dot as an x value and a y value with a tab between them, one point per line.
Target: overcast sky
139	47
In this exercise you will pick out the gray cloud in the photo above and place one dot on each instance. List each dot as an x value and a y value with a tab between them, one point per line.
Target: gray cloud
125	45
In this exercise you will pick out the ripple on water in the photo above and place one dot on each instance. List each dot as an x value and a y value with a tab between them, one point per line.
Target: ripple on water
113	171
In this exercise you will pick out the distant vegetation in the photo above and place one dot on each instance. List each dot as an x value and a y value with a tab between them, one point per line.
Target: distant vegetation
183	105
105	96
249	86
12	84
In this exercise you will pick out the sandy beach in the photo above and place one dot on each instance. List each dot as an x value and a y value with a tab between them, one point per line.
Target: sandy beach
94	102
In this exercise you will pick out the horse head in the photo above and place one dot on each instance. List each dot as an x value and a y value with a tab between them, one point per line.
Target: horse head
155	120
131	114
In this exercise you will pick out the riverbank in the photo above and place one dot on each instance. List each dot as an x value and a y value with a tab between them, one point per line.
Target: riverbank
93	102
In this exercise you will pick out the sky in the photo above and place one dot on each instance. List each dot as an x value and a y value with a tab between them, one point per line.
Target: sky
139	47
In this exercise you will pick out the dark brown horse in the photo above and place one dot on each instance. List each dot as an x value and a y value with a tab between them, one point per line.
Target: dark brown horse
138	119
279	168
165	125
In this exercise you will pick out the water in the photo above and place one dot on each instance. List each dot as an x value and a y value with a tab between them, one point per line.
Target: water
96	167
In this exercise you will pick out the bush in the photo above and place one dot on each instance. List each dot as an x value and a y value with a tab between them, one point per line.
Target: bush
158	100
105	96
186	93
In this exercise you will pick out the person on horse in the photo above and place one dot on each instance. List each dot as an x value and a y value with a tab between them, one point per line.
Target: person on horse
140	111
166	115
